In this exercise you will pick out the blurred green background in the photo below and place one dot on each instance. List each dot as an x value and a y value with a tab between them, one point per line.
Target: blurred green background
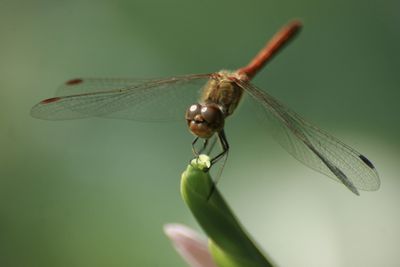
96	192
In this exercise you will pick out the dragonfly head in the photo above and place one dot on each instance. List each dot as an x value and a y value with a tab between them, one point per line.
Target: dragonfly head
204	120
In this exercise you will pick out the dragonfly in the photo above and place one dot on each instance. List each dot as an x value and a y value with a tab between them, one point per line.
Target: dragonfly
216	97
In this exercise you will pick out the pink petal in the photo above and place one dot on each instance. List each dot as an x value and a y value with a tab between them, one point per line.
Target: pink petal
189	245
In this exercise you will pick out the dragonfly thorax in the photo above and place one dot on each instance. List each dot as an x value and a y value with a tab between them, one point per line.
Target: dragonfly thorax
223	90
204	120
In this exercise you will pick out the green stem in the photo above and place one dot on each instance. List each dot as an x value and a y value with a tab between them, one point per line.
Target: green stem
229	244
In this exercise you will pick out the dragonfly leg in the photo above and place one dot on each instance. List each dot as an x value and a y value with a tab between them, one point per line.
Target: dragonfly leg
193	146
224	144
224	153
205	143
211	145
202	149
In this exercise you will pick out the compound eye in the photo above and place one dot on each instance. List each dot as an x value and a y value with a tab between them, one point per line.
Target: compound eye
192	111
212	114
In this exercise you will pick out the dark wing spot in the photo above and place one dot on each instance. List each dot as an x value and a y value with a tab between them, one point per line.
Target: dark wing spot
366	161
50	100
74	82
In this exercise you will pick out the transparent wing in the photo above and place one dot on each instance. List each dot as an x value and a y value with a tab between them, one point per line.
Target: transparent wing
142	100
91	85
314	147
